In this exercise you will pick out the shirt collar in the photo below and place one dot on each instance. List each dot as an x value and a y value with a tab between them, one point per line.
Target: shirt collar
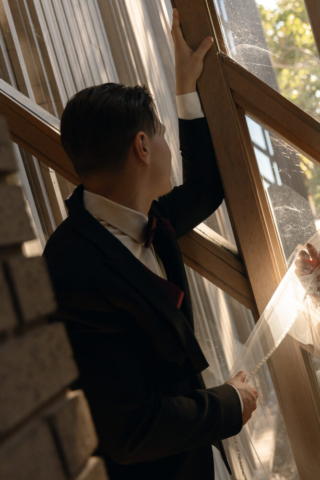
128	221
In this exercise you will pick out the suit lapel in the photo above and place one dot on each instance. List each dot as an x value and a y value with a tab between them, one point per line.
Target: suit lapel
123	262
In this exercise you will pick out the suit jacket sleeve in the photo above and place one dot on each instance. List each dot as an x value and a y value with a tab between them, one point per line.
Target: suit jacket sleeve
201	193
135	421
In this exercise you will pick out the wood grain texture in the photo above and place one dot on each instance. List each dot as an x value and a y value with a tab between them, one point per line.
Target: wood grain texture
34	129
244	205
265	204
217	260
253	231
313	9
273	110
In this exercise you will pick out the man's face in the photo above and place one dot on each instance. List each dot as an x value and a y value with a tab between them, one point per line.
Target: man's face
160	164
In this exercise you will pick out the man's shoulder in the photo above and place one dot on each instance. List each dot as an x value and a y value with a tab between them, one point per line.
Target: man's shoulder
63	241
70	255
61	231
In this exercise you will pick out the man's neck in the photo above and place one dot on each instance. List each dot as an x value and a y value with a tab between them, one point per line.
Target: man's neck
126	198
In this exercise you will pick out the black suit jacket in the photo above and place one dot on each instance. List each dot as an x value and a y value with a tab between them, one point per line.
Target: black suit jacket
136	351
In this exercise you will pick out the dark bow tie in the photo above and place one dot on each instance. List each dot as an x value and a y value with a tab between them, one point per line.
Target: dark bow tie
151	228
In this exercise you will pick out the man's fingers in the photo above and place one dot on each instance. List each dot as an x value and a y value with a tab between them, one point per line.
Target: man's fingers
313	252
304	265
203	48
304	254
241	376
302	271
176	31
255	393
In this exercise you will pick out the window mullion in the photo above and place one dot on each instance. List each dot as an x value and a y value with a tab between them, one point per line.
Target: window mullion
254	236
313	9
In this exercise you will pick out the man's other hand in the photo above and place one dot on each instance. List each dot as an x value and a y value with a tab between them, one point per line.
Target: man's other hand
307	261
247	393
189	64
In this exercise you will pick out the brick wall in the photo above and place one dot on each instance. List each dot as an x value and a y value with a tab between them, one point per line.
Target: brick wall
46	430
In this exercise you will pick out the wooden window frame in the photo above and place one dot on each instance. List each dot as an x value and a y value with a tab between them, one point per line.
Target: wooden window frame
313	9
227	88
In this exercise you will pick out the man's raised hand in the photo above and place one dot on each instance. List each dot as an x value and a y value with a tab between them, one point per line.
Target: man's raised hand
188	64
248	394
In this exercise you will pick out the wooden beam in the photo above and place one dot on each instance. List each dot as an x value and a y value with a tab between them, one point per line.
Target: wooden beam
217	260
253	231
272	232
273	110
313	9
36	130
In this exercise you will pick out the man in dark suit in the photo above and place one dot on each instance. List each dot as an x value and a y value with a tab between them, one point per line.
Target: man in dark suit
121	285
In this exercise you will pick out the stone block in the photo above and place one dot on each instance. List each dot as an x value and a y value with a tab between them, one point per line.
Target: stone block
31	455
15	224
32	286
7	159
8	316
94	470
33	369
73	426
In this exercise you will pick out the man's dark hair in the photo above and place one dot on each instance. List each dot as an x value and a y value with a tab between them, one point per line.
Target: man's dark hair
99	123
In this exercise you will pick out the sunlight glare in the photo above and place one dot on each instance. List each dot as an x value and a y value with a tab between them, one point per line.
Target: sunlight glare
268	4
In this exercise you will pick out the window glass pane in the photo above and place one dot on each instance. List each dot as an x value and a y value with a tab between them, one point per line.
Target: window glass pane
41	187
35	61
274	41
222	327
50	50
294	195
292	184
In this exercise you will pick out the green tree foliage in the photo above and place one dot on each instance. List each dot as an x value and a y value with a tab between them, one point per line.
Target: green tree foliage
297	66
294	53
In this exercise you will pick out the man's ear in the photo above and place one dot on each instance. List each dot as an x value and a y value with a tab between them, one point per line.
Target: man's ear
141	147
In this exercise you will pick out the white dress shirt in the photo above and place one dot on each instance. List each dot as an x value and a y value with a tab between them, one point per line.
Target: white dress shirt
128	225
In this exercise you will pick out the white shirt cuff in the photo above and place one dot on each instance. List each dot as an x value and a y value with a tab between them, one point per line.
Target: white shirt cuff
241	403
189	106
